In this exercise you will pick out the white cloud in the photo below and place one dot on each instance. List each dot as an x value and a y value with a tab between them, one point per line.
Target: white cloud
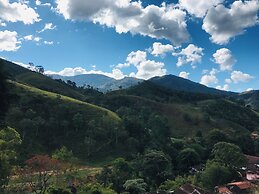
116	73
145	68
38	3
2	24
164	22
48	42
224	23
148	69
224	58
184	75
225	87
209	78
136	57
198	7
160	49
48	26
191	54
9	41
17	11
31	38
238	76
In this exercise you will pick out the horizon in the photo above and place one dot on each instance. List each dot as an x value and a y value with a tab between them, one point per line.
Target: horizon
158	38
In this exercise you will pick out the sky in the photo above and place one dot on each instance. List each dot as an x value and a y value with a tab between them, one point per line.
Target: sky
215	43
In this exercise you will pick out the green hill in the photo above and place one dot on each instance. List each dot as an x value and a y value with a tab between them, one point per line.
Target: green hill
23	75
47	121
186	113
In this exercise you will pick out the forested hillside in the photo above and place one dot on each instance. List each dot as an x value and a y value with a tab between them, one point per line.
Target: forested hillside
146	135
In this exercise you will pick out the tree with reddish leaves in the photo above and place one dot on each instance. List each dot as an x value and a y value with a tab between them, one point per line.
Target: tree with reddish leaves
38	171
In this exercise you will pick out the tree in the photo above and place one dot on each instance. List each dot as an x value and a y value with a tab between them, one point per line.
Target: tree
135	186
187	158
120	171
156	167
9	140
228	154
214	175
64	155
172	185
215	136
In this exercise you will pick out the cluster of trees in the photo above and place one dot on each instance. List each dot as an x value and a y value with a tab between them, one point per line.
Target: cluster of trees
155	169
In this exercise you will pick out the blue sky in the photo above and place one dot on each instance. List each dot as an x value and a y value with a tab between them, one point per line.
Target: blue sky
212	42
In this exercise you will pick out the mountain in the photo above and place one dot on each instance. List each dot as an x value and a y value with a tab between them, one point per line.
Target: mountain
250	98
180	84
101	82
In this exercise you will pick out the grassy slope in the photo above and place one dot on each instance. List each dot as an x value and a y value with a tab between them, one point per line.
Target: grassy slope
52	95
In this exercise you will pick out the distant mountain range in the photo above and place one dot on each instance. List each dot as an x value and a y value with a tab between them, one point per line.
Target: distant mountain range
104	83
101	82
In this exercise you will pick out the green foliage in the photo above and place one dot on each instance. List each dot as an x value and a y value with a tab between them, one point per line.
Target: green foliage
64	155
9	140
214	175
135	186
228	154
95	189
215	136
58	191
172	185
117	175
224	109
5	170
156	167
187	158
47	123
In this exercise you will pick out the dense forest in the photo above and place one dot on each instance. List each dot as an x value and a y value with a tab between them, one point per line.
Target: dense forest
56	137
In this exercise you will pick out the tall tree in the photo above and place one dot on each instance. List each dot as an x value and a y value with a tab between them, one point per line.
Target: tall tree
228	154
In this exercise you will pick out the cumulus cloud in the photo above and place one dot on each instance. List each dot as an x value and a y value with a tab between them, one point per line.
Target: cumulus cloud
148	69
184	75
48	26
116	73
225	87
161	22
198	8
224	23
136	57
145	68
160	50
209	78
224	58
9	41
191	54
17	11
238	76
